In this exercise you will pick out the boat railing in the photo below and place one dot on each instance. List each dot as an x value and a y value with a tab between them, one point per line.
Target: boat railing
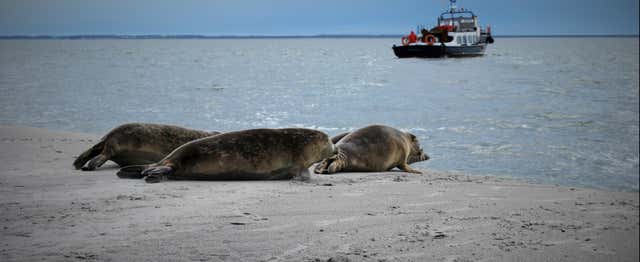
460	13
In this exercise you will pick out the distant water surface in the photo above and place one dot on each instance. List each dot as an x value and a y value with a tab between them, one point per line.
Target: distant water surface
551	110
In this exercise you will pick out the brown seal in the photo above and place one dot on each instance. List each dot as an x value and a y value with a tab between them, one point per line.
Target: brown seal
374	148
250	154
137	144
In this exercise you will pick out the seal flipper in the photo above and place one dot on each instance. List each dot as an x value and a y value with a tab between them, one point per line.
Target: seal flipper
332	164
406	168
335	167
88	155
95	162
157	174
132	171
321	167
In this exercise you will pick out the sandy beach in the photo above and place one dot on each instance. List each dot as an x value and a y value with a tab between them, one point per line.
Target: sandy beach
52	212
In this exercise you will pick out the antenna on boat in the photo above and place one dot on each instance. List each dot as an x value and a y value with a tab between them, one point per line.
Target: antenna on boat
452	6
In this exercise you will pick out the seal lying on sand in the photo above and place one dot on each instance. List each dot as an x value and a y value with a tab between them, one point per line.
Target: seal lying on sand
249	154
136	144
373	148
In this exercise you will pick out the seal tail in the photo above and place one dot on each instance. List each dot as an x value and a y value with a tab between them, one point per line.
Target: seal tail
88	155
132	171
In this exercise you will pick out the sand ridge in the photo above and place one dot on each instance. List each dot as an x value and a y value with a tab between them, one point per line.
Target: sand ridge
51	211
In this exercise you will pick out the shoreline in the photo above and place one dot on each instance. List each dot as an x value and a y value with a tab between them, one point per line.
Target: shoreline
52	211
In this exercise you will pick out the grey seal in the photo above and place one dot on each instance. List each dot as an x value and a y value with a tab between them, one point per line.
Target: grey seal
374	148
264	154
136	144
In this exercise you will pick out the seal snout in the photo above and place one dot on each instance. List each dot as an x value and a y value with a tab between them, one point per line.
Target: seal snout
423	156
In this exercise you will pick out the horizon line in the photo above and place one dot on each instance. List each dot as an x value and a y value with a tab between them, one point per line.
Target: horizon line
199	36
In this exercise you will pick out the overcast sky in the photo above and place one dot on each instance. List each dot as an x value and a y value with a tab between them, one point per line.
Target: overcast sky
308	17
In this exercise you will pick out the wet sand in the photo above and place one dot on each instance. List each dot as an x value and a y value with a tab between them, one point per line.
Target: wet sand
51	211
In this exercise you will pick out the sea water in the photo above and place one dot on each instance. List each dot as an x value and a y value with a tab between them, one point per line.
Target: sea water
550	110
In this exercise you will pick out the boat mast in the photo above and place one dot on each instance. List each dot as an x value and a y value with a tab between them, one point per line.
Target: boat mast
452	6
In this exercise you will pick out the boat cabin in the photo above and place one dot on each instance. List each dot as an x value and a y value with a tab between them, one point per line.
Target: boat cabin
461	21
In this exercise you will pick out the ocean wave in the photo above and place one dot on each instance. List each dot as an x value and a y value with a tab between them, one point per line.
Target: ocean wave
552	116
491	148
511	125
455	129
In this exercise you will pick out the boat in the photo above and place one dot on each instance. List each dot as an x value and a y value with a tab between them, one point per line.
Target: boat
457	34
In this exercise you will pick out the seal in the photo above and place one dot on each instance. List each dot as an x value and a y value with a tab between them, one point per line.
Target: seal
265	154
137	143
374	148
